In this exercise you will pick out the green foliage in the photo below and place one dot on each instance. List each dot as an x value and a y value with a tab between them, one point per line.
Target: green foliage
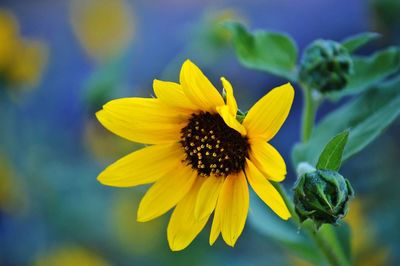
331	156
322	194
355	42
286	234
101	86
370	70
276	53
272	52
366	116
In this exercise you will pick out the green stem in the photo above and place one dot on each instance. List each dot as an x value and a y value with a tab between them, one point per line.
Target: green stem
334	256
327	250
288	201
309	110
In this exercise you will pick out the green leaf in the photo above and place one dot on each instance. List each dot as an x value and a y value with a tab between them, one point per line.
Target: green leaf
331	156
267	223
101	85
369	71
367	116
357	41
272	52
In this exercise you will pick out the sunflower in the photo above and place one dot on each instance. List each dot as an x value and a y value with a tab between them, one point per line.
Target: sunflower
199	155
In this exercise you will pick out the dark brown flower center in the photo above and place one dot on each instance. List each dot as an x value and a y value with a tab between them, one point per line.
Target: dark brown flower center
212	147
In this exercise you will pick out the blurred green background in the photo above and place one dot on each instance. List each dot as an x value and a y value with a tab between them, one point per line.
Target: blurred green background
61	60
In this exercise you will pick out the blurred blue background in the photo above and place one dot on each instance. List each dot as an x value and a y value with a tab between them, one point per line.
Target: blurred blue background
76	55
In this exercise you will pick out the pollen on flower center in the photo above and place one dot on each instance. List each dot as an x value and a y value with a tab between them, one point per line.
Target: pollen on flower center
212	147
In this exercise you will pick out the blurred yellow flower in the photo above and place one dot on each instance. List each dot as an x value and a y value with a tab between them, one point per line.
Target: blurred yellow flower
134	239
28	63
104	27
13	197
203	158
8	37
70	255
216	20
296	261
360	229
21	61
365	250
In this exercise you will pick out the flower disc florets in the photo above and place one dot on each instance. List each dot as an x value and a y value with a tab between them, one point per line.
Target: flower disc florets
212	147
326	66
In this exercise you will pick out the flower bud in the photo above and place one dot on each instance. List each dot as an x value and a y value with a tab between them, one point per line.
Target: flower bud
326	66
322	196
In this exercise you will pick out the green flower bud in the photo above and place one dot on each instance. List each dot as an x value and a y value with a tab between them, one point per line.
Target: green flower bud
326	66
322	196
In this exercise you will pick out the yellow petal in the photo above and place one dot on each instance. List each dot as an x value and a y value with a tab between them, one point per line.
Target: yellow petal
143	166
183	227
198	88
266	191
143	120
266	117
231	120
208	195
172	94
267	159
166	193
216	226
230	98
234	200
147	109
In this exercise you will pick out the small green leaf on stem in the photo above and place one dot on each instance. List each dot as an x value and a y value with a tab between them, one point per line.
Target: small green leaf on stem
331	156
355	42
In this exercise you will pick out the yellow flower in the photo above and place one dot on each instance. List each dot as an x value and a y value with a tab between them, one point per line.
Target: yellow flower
28	63
70	255
201	158
366	251
8	37
104	28
134	239
13	194
21	61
